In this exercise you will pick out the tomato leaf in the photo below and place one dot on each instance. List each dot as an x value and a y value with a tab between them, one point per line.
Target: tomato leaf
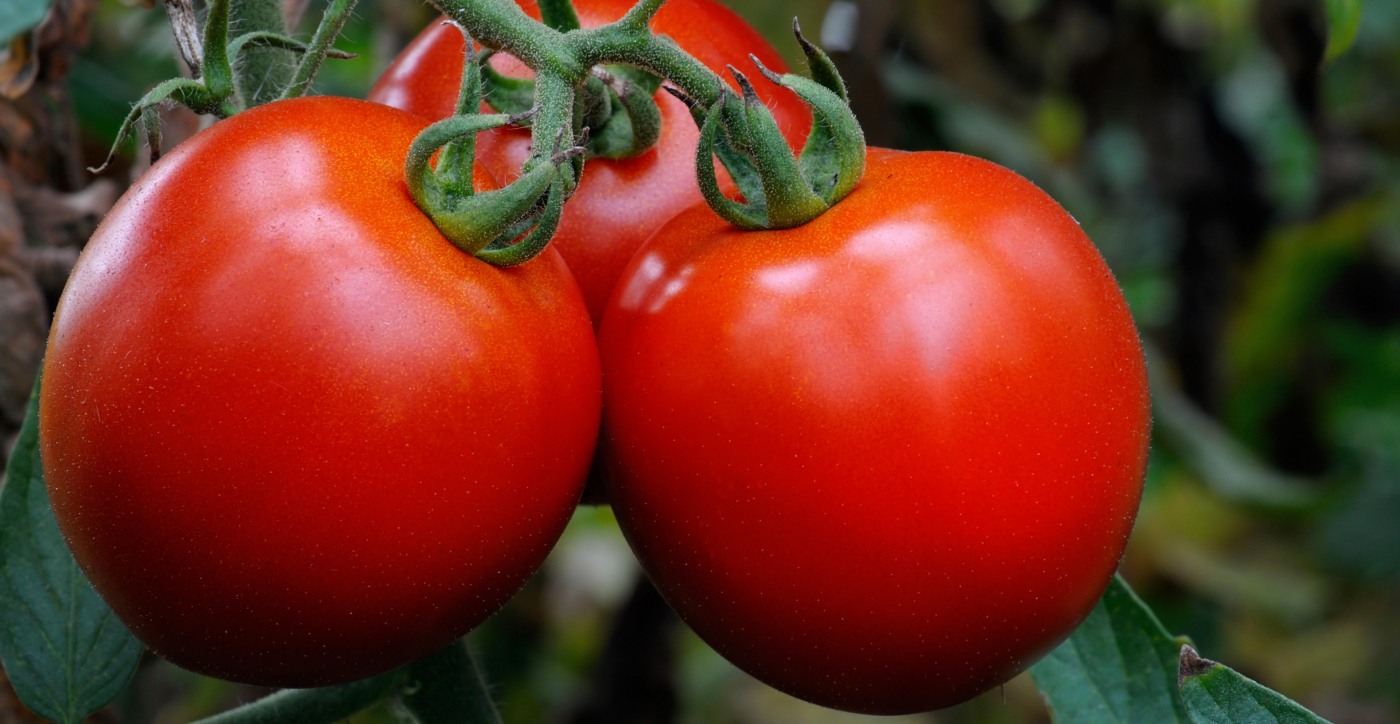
1343	20
1214	693
66	653
1119	666
20	16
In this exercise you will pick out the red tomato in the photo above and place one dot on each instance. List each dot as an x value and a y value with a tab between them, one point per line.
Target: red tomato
619	203
292	435
886	460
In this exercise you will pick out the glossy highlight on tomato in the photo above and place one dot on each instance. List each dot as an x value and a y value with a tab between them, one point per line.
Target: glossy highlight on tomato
619	203
886	460
292	435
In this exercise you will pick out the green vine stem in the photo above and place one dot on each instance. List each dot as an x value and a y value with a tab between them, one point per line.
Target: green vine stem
320	46
227	74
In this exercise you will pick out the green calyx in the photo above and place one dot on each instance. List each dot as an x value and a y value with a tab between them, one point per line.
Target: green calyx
633	122
780	191
504	227
486	224
230	76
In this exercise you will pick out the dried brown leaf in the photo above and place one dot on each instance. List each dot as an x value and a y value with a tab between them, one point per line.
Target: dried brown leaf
19	66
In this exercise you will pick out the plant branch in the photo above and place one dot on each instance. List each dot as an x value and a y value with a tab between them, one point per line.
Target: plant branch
502	25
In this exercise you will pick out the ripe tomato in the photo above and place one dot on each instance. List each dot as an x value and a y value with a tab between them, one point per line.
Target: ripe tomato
885	460
619	203
291	434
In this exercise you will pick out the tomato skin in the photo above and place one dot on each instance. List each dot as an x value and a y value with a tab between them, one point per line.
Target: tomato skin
619	203
886	460
291	434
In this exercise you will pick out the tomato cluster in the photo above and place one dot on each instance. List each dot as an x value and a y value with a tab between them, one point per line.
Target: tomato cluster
882	461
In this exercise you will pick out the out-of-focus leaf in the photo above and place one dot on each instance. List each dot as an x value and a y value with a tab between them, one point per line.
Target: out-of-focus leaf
18	17
1361	536
1225	465
1247	583
1217	694
1119	666
970	127
1269	334
66	653
1058	123
1343	20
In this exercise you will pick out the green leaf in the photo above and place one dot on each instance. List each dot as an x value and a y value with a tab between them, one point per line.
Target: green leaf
1226	466
1275	323
20	16
66	653
1343	20
1119	666
1217	694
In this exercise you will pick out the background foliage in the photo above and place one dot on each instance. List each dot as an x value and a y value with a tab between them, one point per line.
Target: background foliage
1235	160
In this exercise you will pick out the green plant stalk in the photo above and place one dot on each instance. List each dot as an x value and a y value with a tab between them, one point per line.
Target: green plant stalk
553	126
502	25
263	72
321	42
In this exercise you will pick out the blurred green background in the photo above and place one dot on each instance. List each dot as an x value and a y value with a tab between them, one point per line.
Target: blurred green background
1236	162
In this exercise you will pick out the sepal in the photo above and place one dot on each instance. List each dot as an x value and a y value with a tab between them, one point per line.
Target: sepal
779	190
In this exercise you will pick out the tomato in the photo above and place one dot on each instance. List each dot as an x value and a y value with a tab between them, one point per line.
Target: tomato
292	435
619	203
886	460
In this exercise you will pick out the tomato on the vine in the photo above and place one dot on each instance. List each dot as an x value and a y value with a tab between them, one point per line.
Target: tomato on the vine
619	202
294	436
885	460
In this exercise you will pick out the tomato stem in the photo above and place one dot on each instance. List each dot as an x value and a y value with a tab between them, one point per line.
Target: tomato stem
232	75
337	12
265	71
779	191
502	25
